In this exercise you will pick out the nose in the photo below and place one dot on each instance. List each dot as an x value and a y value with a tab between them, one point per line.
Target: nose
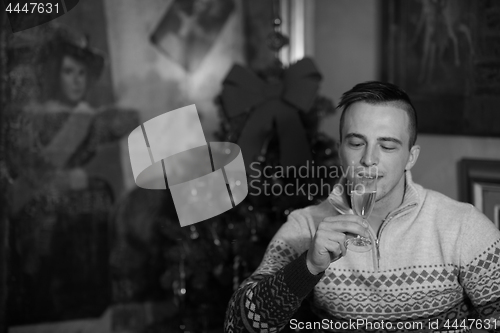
78	79
370	156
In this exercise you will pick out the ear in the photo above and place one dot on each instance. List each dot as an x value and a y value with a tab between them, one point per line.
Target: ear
412	159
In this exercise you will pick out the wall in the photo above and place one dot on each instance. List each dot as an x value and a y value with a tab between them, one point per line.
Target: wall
437	167
347	50
345	45
148	81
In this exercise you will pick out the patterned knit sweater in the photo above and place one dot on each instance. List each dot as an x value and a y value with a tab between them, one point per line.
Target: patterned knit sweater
439	265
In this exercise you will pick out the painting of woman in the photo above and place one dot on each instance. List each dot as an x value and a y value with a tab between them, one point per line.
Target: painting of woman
59	205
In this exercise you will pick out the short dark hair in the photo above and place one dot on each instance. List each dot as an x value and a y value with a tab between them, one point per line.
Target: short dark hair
376	92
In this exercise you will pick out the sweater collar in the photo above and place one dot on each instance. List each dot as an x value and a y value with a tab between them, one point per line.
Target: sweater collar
411	197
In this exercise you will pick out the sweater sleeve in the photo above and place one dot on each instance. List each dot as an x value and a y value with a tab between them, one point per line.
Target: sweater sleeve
267	300
480	268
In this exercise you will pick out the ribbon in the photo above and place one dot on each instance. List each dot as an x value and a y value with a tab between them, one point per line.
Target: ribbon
272	103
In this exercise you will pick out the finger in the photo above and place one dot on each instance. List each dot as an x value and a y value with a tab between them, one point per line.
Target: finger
333	243
343	227
346	218
340	240
336	249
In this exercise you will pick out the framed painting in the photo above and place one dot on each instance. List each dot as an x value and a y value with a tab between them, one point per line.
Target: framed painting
486	197
480	186
60	171
445	54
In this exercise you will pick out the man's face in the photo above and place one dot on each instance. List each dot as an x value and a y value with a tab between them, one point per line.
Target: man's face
375	140
73	79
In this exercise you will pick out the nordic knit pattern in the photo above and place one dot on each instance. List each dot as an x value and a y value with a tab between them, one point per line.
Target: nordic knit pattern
439	260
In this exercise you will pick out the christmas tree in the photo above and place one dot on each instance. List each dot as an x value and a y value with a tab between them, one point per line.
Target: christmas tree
274	116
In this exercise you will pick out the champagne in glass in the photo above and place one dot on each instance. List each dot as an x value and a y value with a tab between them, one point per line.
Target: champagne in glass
363	194
362	202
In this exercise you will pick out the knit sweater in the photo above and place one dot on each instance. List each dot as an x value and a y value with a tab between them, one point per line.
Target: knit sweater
439	265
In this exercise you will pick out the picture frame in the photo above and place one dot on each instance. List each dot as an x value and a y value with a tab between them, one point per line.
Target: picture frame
61	171
487	199
445	54
480	186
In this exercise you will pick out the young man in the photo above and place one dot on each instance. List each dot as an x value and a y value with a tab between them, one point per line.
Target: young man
434	264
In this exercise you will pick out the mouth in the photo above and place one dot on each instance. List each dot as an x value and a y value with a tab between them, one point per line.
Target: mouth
369	176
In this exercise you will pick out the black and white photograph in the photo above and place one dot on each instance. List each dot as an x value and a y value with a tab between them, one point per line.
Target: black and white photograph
262	166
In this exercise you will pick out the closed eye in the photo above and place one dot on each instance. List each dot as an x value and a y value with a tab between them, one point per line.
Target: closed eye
355	144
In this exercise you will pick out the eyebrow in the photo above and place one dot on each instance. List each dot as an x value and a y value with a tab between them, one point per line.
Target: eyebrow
355	135
390	139
384	138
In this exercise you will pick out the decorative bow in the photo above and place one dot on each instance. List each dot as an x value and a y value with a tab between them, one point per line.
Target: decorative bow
268	103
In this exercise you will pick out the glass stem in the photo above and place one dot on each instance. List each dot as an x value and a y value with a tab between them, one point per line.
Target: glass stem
375	249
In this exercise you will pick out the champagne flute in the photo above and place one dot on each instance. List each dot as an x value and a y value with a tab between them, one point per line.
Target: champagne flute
363	194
